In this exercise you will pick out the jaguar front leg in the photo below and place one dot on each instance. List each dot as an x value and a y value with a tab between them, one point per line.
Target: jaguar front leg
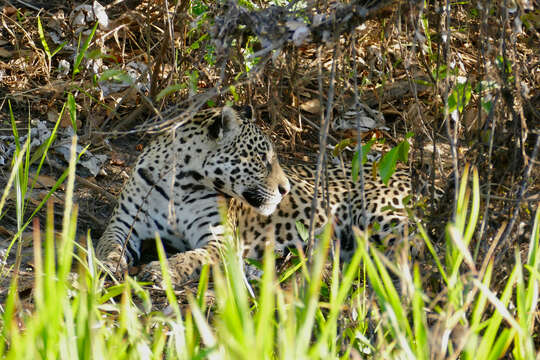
184	266
113	256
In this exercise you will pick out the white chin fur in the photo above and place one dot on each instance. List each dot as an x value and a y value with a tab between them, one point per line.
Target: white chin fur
267	209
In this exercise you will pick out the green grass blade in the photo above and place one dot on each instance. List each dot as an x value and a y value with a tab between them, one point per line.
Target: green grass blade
372	274
264	318
462	204
12	176
41	152
69	221
72	108
205	330
475	209
490	334
500	347
308	315
419	318
533	265
43	201
42	38
203	287
393	297
82	51
10	331
171	297
432	251
481	300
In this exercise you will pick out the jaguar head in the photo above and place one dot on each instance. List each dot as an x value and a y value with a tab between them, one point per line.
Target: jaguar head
243	164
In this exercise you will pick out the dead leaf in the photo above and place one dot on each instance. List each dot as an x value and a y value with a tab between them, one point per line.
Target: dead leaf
10	11
118	159
65	122
44	181
312	106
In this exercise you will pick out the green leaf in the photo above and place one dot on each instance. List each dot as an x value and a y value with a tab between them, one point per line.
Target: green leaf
486	105
423	82
72	111
387	165
297	263
203	286
355	166
232	89
460	97
169	90
97	54
115	75
210	56
366	148
467	93
42	38
504	64
403	151
44	42
340	146
195	45
254	262
440	72
111	292
83	50
452	101
302	230
193	80
198	7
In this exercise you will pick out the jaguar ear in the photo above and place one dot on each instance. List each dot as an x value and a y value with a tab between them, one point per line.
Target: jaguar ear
245	111
228	121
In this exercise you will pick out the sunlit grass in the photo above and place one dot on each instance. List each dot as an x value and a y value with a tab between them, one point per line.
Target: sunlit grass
367	308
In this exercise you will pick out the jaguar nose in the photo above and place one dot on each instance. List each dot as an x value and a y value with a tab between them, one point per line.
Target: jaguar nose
284	188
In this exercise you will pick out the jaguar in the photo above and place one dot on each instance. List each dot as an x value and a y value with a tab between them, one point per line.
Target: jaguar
223	159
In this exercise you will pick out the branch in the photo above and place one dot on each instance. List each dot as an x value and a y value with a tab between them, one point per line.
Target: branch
278	26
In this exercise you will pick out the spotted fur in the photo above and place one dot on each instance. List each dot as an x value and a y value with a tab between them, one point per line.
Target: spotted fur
179	179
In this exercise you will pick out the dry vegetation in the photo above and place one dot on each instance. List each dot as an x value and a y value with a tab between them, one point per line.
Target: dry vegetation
465	79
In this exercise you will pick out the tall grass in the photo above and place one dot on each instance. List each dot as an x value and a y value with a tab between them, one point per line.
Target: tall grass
460	322
374	308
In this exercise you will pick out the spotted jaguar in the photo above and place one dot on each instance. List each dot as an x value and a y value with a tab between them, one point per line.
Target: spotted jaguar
221	158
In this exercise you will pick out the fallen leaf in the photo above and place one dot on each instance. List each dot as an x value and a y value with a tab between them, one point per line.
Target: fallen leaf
10	11
311	106
44	181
